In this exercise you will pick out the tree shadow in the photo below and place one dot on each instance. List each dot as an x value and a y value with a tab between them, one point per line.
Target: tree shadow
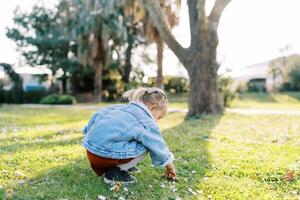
189	143
43	142
75	180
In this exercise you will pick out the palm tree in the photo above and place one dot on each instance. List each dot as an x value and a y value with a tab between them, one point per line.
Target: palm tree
92	25
171	10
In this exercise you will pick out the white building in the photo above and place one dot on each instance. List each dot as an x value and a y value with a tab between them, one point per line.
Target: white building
259	73
30	77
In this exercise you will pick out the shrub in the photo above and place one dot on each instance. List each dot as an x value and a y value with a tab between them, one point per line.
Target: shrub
33	96
226	91
171	84
14	95
1	94
58	99
291	74
176	84
294	77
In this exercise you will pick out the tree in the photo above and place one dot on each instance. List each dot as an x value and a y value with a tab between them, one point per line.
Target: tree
40	38
17	89
200	57
275	70
292	71
152	34
98	27
170	9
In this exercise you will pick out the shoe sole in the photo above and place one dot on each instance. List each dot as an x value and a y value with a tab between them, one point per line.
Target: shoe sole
107	181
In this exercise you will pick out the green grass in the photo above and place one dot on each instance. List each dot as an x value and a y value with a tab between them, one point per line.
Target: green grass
279	101
217	157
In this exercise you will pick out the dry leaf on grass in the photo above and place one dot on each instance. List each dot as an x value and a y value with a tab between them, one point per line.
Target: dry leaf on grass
116	187
289	176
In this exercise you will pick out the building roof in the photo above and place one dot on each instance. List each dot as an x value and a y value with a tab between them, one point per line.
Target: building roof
259	70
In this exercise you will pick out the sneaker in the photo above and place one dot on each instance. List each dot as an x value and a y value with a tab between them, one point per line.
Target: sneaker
134	170
115	174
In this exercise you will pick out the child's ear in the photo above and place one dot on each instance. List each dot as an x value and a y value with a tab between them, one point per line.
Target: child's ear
153	107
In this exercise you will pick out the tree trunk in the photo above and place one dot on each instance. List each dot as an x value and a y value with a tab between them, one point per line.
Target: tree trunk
128	55
202	67
160	51
99	62
204	94
64	83
98	65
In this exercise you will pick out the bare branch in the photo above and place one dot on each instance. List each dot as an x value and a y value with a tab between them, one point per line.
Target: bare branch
216	12
159	20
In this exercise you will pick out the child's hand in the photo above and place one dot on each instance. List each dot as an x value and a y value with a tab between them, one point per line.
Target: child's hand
170	172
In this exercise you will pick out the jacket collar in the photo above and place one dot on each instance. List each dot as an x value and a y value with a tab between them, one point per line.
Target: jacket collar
143	106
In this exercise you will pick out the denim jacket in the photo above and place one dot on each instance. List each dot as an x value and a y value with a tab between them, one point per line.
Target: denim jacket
126	131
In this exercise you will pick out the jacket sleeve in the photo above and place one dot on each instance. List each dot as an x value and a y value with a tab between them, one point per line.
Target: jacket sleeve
152	139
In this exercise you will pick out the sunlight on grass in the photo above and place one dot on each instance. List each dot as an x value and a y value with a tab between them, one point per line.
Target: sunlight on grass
266	101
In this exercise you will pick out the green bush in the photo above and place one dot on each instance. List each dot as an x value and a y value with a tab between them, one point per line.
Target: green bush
171	84
226	91
34	96
176	84
291	74
1	94
294	77
6	96
58	99
13	96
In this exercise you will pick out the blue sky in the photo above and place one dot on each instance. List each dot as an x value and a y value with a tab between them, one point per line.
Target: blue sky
250	31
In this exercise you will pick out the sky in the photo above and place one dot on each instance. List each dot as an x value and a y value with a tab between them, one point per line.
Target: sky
250	32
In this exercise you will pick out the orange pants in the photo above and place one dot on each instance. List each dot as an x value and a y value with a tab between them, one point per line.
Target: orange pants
100	164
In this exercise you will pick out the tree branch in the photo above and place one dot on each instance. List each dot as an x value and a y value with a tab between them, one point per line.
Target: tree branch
216	12
197	19
159	20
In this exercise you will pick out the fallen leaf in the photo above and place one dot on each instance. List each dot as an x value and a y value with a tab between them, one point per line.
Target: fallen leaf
116	187
9	193
289	176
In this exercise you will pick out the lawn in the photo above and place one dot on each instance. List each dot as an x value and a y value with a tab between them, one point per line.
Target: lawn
227	156
279	101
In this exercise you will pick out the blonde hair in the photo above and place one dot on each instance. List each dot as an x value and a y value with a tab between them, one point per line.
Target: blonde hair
151	95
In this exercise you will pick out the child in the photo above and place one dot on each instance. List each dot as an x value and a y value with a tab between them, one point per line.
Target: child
119	136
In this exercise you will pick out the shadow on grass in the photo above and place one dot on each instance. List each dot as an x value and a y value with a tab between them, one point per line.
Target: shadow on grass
38	143
75	180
